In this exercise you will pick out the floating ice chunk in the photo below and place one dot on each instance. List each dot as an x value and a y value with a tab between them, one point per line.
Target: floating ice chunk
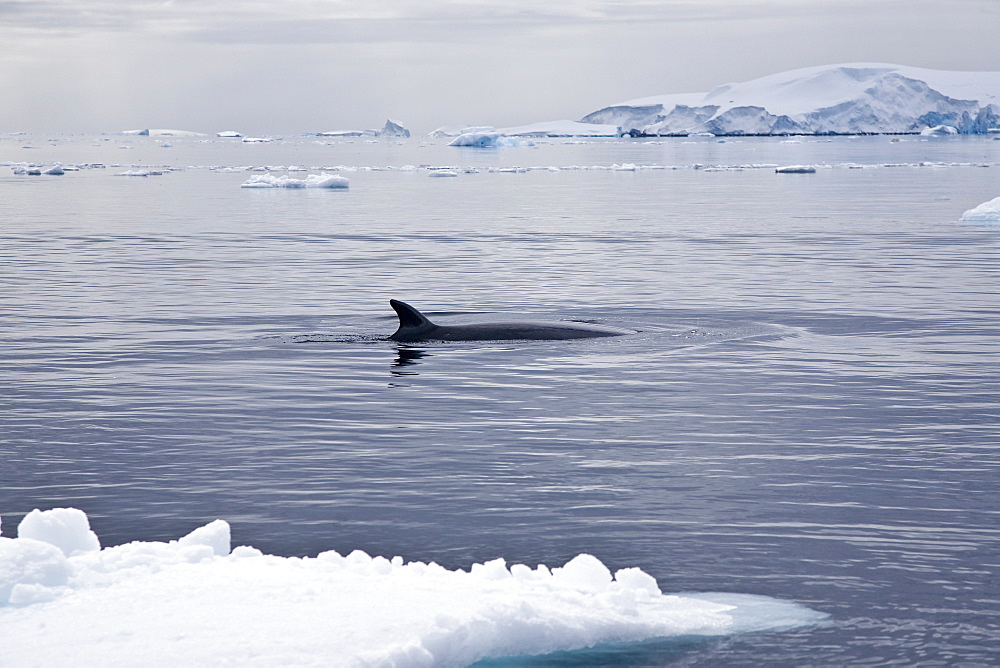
939	131
442	172
228	134
327	181
484	139
256	140
796	169
54	170
66	528
987	212
134	172
393	129
312	181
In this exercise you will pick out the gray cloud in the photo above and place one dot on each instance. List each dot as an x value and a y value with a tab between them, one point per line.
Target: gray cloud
324	64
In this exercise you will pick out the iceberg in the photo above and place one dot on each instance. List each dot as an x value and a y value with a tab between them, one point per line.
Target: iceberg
489	139
853	98
393	129
390	129
228	134
939	131
197	601
484	139
323	180
987	212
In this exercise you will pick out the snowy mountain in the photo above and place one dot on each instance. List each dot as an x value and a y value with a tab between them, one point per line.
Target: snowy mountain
833	99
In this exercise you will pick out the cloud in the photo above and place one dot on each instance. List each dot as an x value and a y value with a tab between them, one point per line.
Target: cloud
294	65
335	21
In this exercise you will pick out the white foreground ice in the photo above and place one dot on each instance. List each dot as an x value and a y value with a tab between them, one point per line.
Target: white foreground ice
987	212
193	601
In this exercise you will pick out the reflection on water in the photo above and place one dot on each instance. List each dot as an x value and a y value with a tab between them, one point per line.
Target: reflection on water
407	356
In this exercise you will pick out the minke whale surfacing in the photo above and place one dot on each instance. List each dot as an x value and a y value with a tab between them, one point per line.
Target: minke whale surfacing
414	326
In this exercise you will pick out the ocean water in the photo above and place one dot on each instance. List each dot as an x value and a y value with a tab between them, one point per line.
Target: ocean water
808	408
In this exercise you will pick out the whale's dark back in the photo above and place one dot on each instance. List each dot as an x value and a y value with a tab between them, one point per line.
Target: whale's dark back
415	326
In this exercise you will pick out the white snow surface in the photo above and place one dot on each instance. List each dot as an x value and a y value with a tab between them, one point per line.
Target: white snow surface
193	601
846	98
987	212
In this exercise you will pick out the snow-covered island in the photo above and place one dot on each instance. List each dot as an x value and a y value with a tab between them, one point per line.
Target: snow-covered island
856	98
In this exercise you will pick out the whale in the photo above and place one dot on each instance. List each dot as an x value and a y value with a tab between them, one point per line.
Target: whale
415	326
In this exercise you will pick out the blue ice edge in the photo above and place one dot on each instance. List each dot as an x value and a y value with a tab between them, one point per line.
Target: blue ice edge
751	614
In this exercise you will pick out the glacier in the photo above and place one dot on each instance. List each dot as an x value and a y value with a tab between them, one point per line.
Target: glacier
853	98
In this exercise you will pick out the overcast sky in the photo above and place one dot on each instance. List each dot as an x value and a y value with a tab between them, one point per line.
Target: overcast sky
284	66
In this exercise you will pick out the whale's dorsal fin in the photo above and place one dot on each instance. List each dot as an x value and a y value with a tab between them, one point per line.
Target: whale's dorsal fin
409	316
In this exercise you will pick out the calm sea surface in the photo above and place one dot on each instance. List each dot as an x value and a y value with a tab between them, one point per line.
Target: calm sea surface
808	410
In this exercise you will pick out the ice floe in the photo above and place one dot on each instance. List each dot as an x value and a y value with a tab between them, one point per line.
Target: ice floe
194	601
323	180
987	212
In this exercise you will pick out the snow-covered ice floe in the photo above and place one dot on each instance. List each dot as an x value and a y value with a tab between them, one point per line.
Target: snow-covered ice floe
312	181
987	212
195	601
